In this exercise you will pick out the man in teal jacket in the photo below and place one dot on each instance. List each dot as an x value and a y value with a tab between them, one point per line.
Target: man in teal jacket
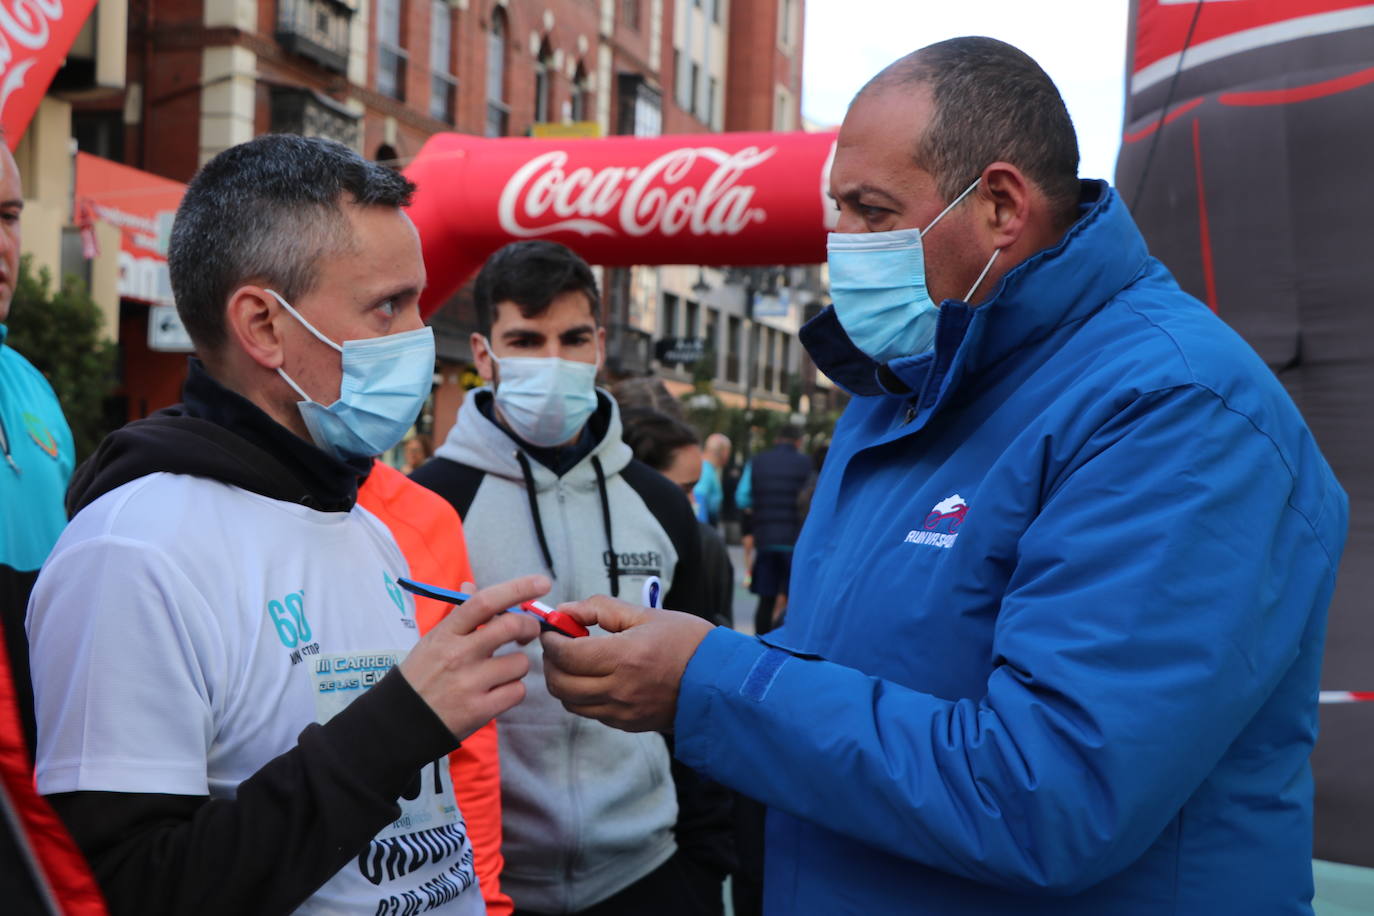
36	460
1058	608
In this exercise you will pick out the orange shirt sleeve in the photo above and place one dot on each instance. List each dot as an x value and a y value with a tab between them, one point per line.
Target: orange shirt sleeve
430	535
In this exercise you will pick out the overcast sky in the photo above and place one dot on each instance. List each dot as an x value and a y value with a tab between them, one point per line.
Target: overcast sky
1080	43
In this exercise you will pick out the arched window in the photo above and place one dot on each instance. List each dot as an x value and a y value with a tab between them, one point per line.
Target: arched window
543	83
391	56
498	113
443	85
581	96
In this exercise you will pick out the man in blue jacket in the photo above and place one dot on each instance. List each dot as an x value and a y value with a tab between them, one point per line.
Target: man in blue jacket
1057	611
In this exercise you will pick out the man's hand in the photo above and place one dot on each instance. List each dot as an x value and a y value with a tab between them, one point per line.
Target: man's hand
630	678
452	668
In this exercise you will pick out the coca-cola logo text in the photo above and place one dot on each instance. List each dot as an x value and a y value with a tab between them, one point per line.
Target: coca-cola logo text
634	200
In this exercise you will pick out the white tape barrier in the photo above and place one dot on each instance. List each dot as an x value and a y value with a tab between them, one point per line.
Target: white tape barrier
1346	696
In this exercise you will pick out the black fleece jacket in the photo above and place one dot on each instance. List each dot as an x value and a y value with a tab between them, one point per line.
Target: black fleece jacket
304	814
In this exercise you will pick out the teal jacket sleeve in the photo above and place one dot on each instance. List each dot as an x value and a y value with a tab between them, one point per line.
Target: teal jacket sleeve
1156	603
744	492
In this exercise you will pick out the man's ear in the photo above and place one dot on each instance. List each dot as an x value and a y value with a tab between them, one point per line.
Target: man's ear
251	320
601	348
481	357
1012	197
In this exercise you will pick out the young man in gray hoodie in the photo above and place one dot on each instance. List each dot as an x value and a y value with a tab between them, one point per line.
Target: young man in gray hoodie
595	821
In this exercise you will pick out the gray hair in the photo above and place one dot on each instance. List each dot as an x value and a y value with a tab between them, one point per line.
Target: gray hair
992	103
267	211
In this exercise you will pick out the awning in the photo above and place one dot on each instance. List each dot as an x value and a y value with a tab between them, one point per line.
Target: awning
142	206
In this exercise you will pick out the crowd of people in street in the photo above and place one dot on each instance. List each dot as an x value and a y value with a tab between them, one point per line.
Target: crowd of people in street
1069	527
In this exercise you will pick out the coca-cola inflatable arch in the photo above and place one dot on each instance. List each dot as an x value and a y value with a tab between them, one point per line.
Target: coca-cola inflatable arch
1246	161
739	198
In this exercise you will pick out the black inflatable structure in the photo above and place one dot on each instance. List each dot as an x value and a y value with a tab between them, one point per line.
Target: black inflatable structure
1248	160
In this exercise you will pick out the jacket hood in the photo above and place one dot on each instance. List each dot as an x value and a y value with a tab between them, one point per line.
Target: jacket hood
478	442
1099	255
221	435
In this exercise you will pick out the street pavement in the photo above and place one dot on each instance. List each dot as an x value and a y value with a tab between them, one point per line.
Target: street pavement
744	601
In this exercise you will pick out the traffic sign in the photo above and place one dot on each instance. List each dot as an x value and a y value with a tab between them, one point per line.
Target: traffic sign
683	350
166	333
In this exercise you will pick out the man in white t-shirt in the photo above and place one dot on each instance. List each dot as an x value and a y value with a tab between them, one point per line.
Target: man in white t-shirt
234	712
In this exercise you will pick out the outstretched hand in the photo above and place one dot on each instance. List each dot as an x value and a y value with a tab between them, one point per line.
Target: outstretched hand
453	669
628	679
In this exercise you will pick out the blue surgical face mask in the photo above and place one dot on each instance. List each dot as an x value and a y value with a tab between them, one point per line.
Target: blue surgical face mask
544	400
385	383
878	285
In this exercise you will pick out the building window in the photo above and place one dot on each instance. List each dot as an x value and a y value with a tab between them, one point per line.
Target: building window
709	334
787	14
693	309
391	57
443	85
732	349
629	13
640	107
669	315
543	84
298	110
581	96
782	111
498	113
715	10
785	375
712	88
767	360
100	133
694	88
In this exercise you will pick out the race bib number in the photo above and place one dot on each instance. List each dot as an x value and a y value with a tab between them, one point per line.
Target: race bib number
427	802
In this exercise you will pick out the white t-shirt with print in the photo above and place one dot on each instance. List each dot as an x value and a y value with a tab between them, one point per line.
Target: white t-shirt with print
183	633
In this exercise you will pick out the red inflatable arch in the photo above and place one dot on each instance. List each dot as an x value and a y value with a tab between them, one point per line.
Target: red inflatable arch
741	198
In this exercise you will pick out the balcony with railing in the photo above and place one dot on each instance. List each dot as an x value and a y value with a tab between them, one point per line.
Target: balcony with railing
317	30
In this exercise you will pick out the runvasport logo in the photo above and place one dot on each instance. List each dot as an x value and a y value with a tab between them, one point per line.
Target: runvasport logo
941	525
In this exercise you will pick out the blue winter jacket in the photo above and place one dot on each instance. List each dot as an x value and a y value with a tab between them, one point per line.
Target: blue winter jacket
1055	617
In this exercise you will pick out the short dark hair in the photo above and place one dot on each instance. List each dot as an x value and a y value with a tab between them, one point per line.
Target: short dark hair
267	210
646	391
790	432
654	436
992	102
531	274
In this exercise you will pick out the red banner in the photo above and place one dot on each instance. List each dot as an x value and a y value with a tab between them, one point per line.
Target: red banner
735	198
35	36
1227	26
142	206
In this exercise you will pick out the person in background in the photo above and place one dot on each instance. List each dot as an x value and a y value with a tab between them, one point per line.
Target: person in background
708	491
39	863
770	491
647	391
593	821
1058	611
249	721
415	451
671	447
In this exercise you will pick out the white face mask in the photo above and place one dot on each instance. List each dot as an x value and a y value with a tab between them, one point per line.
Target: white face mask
545	400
